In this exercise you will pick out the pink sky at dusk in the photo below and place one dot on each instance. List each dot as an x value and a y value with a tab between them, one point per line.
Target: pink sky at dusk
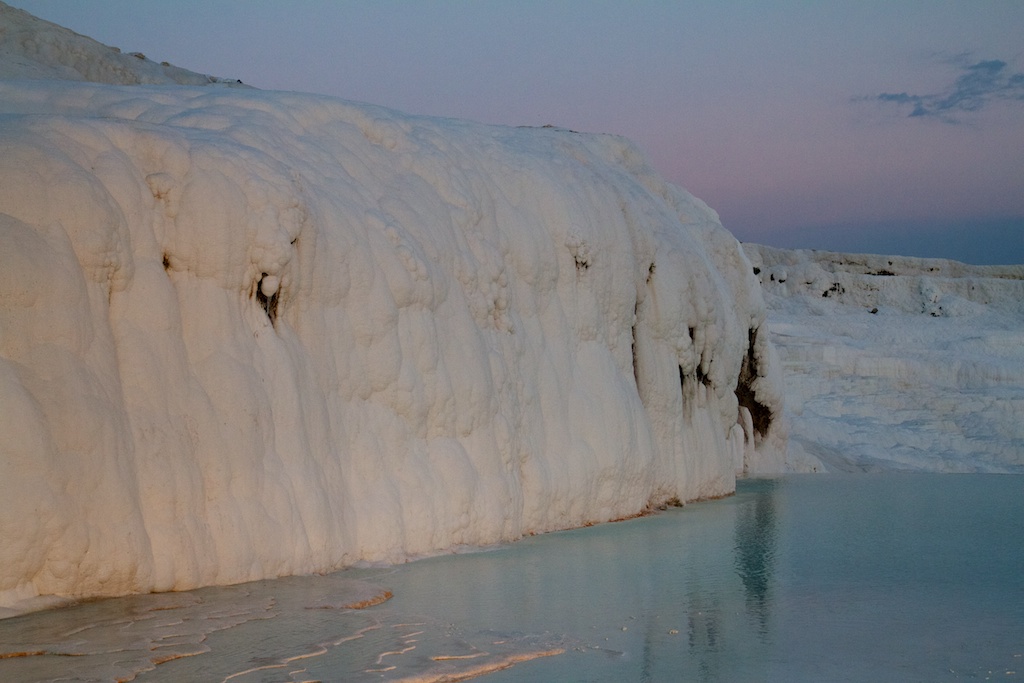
892	127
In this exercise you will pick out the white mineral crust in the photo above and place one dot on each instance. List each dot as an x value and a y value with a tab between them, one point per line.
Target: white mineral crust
896	363
246	334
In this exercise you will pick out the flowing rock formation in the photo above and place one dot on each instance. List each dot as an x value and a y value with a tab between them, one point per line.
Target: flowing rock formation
246	334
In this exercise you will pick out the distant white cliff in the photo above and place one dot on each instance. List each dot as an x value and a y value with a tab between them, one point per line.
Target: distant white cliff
31	48
246	334
895	363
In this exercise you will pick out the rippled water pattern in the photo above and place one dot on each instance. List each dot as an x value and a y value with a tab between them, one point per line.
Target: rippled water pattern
814	578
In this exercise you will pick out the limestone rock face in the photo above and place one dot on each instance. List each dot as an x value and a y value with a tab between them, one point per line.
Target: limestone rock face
31	48
246	334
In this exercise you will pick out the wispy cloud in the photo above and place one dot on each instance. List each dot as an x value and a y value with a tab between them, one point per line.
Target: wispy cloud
978	85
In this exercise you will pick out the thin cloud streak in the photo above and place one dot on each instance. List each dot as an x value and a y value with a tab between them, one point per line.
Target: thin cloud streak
978	85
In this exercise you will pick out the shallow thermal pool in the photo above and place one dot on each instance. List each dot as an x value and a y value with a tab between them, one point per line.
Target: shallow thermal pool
909	577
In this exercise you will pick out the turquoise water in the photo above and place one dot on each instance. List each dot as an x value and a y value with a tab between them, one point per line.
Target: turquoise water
869	578
890	577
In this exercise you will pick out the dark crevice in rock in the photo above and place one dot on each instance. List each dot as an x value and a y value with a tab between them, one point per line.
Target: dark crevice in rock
636	371
268	303
836	288
760	415
693	379
699	375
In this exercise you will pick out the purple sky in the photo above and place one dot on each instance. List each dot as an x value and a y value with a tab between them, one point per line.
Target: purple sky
882	126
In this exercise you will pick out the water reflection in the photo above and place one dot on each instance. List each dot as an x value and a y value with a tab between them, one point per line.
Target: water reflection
721	593
703	628
783	582
755	547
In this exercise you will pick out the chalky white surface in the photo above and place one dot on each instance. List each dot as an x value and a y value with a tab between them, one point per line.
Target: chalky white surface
247	334
895	363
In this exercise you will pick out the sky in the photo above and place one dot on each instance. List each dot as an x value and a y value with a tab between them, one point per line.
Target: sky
889	126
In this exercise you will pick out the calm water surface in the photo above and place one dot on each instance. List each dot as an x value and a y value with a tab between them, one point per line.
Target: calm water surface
892	577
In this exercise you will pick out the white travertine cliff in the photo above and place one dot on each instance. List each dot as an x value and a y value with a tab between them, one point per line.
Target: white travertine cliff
246	334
